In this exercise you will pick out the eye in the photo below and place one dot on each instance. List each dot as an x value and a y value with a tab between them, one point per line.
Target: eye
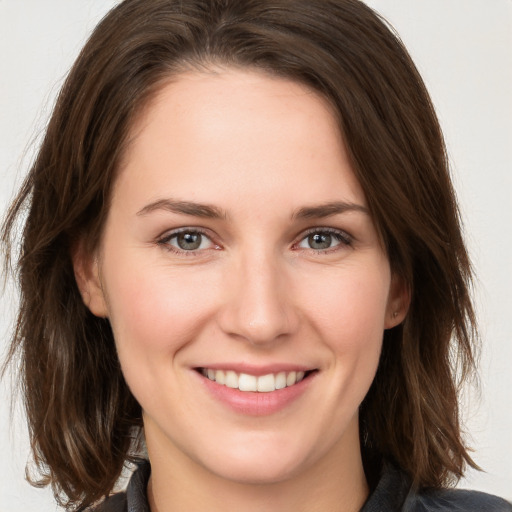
324	239
187	240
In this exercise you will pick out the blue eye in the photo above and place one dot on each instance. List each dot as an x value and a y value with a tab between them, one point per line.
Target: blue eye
322	240
187	241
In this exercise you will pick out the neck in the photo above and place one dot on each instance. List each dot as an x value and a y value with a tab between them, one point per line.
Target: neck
334	483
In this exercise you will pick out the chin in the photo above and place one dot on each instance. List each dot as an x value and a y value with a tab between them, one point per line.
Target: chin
260	471
259	460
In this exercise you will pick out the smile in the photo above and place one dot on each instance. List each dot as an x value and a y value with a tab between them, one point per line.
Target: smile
261	384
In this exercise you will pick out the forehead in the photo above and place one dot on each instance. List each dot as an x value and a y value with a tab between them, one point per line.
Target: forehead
244	128
218	93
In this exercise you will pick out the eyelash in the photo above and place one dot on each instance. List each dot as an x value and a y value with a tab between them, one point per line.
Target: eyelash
164	241
342	237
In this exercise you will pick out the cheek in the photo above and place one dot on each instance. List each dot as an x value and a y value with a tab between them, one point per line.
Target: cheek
155	309
349	307
355	339
155	313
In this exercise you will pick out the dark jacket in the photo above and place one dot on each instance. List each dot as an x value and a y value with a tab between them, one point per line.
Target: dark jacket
393	493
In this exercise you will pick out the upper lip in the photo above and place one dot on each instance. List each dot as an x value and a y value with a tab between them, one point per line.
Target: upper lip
257	370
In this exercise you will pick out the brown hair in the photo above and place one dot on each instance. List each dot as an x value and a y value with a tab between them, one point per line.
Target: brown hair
82	417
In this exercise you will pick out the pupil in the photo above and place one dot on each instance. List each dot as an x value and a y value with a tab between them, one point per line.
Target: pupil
320	241
189	241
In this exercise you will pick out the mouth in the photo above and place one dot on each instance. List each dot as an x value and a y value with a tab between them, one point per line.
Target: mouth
255	383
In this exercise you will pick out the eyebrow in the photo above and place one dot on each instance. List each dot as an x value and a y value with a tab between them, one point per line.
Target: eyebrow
208	211
185	208
328	209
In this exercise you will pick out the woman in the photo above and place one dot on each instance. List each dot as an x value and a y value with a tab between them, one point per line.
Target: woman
243	248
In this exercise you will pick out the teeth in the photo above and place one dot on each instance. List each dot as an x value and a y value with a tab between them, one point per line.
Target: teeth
266	383
281	380
231	379
246	382
220	377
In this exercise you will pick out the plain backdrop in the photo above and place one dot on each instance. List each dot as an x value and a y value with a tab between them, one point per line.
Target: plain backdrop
463	49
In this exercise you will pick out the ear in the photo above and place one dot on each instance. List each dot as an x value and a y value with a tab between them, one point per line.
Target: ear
399	300
87	274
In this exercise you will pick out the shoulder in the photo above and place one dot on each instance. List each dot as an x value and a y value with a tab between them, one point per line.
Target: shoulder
395	492
454	500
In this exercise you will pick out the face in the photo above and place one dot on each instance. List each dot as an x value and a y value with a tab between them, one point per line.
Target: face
243	277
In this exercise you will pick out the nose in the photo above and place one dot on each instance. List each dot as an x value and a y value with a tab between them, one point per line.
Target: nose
258	306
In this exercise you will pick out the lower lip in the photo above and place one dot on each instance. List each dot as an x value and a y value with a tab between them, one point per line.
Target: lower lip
254	403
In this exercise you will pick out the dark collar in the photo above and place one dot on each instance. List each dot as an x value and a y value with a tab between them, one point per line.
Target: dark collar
391	491
136	492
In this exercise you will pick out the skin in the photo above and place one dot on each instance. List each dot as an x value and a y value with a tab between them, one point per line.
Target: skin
258	150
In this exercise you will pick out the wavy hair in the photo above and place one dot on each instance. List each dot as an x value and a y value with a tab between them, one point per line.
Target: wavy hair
83	420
